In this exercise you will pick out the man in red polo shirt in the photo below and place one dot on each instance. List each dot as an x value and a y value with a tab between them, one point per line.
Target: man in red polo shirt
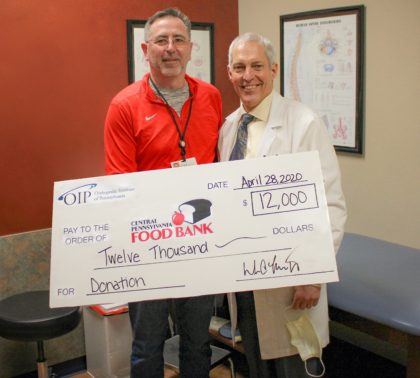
166	119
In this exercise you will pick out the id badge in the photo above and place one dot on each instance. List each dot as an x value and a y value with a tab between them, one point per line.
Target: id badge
184	163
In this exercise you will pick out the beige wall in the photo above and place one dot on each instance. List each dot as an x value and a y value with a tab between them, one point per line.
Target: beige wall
382	186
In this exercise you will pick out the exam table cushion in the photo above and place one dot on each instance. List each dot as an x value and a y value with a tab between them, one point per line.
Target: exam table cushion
379	281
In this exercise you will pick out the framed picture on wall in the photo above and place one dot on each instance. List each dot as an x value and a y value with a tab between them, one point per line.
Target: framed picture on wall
322	65
202	57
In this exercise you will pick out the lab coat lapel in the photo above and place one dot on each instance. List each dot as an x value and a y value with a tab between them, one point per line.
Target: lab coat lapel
271	139
228	135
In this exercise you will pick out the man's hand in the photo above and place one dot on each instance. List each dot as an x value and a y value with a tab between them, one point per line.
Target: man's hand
306	296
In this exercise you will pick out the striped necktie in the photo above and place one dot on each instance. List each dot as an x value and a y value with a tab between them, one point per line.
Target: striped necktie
239	149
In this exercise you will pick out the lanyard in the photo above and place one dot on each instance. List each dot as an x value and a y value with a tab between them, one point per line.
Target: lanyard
181	135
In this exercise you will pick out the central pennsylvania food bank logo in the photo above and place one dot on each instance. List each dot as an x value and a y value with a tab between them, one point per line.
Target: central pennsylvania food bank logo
192	212
185	221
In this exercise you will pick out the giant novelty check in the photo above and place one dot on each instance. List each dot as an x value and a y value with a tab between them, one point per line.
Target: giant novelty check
215	228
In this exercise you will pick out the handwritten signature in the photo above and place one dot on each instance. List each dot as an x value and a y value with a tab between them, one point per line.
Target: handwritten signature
270	266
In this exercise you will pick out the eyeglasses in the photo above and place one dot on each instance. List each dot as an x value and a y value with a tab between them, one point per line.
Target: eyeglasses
178	41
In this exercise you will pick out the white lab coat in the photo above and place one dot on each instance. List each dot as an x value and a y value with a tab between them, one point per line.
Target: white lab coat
291	127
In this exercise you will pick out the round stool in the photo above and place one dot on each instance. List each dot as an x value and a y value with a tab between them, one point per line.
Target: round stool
28	317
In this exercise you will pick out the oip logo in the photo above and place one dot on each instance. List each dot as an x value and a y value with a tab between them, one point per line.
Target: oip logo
77	195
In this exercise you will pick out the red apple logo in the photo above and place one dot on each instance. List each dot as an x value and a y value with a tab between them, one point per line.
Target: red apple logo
178	218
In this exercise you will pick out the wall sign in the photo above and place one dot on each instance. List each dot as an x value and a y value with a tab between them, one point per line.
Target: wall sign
321	65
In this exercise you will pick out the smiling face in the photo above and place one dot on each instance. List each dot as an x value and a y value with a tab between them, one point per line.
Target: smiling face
168	51
251	73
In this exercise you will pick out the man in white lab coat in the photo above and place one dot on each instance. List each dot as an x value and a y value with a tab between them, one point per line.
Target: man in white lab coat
278	126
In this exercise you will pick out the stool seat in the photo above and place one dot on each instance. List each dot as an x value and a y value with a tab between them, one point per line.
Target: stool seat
28	317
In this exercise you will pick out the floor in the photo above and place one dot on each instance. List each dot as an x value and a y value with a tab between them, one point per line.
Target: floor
217	372
342	360
77	369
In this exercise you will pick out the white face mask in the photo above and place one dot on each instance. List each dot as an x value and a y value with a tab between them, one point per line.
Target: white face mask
304	337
